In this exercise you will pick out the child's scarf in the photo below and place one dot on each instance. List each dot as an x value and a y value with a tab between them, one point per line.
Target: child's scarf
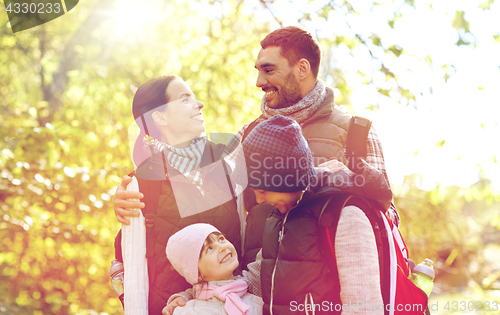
230	293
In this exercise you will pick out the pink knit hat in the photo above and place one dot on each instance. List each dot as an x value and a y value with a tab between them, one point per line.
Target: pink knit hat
183	249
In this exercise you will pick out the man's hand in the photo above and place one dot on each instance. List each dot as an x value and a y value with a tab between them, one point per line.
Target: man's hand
333	165
123	206
169	309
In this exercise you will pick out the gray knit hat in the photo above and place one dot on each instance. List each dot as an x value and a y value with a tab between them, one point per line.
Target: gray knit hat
277	157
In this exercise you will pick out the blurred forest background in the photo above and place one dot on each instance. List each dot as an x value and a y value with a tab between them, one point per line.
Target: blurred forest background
66	90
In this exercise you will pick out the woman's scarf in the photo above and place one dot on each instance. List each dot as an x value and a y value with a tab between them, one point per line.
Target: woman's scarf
230	293
185	160
301	111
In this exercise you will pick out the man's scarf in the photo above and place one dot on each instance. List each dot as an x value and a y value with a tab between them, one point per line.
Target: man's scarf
301	111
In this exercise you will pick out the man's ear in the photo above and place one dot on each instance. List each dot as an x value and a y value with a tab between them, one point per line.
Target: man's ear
159	118
303	69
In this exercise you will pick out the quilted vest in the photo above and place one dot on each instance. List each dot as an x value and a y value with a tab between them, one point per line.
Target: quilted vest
326	134
326	131
177	195
294	274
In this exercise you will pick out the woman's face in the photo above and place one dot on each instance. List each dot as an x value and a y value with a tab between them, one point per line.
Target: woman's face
182	116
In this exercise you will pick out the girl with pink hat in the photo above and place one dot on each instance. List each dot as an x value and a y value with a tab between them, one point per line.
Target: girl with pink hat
207	260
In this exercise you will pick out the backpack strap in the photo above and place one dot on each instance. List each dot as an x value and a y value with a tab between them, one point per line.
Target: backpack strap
328	221
357	136
228	178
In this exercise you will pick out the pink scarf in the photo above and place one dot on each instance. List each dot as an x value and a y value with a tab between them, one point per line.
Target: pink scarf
230	293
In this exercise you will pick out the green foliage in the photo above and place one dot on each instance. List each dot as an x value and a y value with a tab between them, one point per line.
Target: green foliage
456	228
497	38
485	5
459	22
465	37
67	90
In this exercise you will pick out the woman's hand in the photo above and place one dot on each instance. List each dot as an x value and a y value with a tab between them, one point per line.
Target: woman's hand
123	206
169	309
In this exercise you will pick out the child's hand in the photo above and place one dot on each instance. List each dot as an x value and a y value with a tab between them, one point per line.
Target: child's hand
169	309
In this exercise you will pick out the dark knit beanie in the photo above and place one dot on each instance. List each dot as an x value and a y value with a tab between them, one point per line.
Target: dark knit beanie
277	157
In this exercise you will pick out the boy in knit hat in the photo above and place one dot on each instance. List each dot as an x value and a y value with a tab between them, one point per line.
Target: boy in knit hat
296	276
207	260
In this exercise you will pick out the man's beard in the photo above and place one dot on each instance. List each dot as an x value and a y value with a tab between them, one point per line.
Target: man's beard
290	93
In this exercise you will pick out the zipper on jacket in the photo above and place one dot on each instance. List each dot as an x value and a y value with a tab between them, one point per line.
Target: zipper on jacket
280	237
309	295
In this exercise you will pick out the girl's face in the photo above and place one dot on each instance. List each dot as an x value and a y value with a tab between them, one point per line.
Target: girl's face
218	259
182	120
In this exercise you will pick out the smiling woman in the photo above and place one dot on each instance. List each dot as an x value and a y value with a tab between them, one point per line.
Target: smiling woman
184	181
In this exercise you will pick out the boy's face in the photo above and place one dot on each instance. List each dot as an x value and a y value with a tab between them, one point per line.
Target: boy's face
218	259
282	201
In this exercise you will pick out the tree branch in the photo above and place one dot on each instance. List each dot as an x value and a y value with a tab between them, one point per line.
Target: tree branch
71	61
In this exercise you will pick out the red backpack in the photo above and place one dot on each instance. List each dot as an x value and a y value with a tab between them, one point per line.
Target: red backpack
399	294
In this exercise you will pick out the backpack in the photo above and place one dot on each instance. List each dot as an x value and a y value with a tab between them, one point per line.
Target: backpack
256	218
399	294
